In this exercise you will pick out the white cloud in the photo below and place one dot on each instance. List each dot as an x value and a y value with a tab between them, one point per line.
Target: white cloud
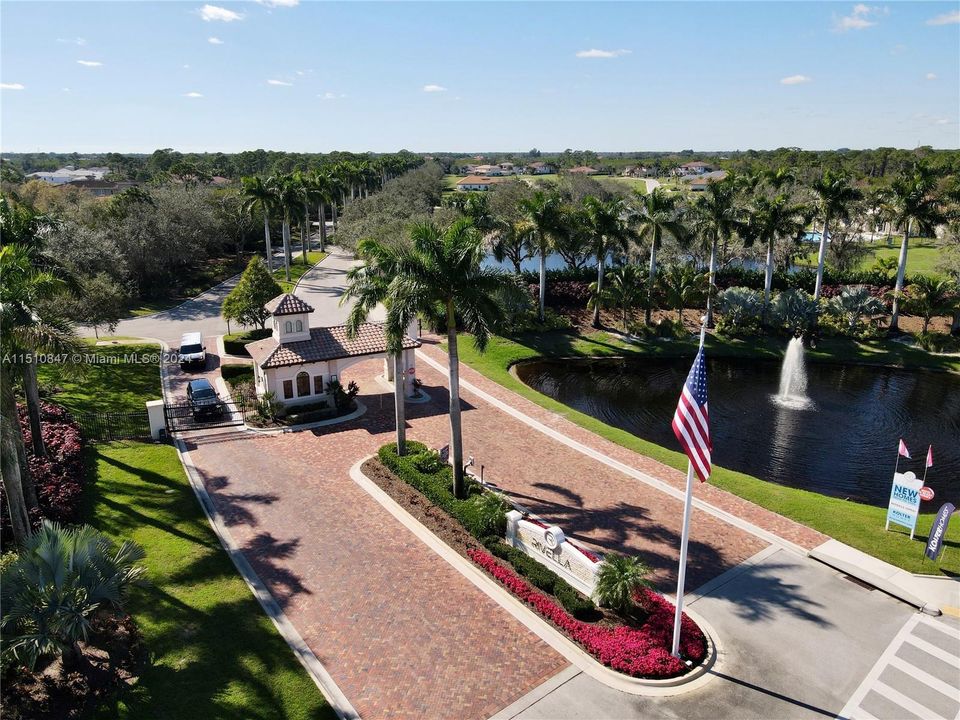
950	18
862	17
213	13
12	86
931	76
331	96
65	89
186	67
795	80
279	82
72	41
90	63
279	3
594	53
434	88
214	41
193	95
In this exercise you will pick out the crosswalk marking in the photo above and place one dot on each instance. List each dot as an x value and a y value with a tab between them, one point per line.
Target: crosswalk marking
905	702
926	678
923	686
932	649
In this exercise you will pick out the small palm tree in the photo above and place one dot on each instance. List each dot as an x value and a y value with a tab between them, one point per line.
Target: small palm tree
511	241
544	212
61	577
259	195
624	291
437	276
835	195
656	216
618	580
684	286
605	223
910	205
930	297
853	302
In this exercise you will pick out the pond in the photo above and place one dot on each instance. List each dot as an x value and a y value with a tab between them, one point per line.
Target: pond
843	443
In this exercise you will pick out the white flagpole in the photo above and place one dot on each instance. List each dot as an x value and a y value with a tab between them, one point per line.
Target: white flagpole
926	467
685	536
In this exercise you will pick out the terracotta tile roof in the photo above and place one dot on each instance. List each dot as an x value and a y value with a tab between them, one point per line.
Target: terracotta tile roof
287	304
326	343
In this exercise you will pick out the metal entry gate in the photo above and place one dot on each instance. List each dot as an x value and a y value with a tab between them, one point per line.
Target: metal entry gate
185	415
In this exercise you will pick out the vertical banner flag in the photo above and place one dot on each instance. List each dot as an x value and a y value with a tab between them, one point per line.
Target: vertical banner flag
904	501
902	450
937	531
692	427
929	456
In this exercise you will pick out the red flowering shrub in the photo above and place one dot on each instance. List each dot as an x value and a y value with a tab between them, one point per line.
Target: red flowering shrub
639	652
58	478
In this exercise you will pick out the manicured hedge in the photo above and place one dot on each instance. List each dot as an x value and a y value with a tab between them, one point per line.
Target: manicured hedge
236	374
234	343
423	469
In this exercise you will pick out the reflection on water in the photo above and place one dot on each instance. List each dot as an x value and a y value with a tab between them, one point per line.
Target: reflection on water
843	444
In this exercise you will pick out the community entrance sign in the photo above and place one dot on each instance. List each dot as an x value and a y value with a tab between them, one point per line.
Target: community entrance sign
904	501
547	545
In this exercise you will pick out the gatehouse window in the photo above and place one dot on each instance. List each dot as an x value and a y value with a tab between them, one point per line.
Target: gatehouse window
303	384
287	389
299	325
288	327
318	384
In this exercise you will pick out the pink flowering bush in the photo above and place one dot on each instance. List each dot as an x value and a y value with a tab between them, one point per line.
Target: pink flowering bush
638	652
58	478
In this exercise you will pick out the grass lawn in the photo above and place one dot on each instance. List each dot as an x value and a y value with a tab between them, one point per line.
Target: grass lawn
213	652
234	343
118	385
858	525
297	268
924	256
236	374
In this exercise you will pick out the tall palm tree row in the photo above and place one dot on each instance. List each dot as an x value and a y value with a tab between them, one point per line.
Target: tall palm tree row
259	196
656	217
835	195
438	276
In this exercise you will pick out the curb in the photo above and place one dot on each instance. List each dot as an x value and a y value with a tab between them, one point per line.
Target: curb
361	409
326	254
574	654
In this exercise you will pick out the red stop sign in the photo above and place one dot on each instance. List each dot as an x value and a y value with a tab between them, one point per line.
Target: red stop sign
926	493
412	371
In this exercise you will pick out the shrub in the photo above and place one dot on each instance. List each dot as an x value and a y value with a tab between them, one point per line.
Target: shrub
740	306
490	512
853	302
235	343
235	375
343	398
619	579
938	342
268	407
795	311
638	652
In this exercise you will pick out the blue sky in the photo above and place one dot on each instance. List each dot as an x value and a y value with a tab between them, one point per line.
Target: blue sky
457	76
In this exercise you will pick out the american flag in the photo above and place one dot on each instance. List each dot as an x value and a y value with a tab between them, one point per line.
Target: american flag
691	423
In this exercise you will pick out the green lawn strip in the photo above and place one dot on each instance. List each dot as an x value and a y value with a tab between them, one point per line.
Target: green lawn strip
213	652
858	525
127	377
297	268
924	257
234	343
235	374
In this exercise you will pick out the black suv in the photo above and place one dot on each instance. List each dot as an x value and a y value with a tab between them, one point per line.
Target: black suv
203	399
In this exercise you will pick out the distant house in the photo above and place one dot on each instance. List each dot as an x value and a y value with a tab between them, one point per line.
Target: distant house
478	182
99	188
583	170
695	168
220	181
700	182
540	168
69	174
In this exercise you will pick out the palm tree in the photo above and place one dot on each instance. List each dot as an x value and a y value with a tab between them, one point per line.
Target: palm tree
321	189
835	195
511	241
624	291
259	196
303	184
911	206
289	197
438	276
683	286
853	302
656	217
716	214
618	580
606	226
778	179
931	297
772	219
544	212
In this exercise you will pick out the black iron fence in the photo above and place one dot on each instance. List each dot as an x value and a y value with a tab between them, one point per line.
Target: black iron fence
105	426
195	416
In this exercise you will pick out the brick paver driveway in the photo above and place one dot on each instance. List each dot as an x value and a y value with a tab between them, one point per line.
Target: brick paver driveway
402	633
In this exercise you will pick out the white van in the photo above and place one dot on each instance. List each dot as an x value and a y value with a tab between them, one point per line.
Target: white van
191	351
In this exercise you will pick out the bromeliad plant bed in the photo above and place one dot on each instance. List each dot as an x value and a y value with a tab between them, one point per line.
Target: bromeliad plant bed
637	645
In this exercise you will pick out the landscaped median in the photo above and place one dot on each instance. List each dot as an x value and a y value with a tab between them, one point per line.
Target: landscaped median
634	641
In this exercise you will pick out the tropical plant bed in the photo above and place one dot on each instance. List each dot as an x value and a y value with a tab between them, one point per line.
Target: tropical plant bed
113	656
636	644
